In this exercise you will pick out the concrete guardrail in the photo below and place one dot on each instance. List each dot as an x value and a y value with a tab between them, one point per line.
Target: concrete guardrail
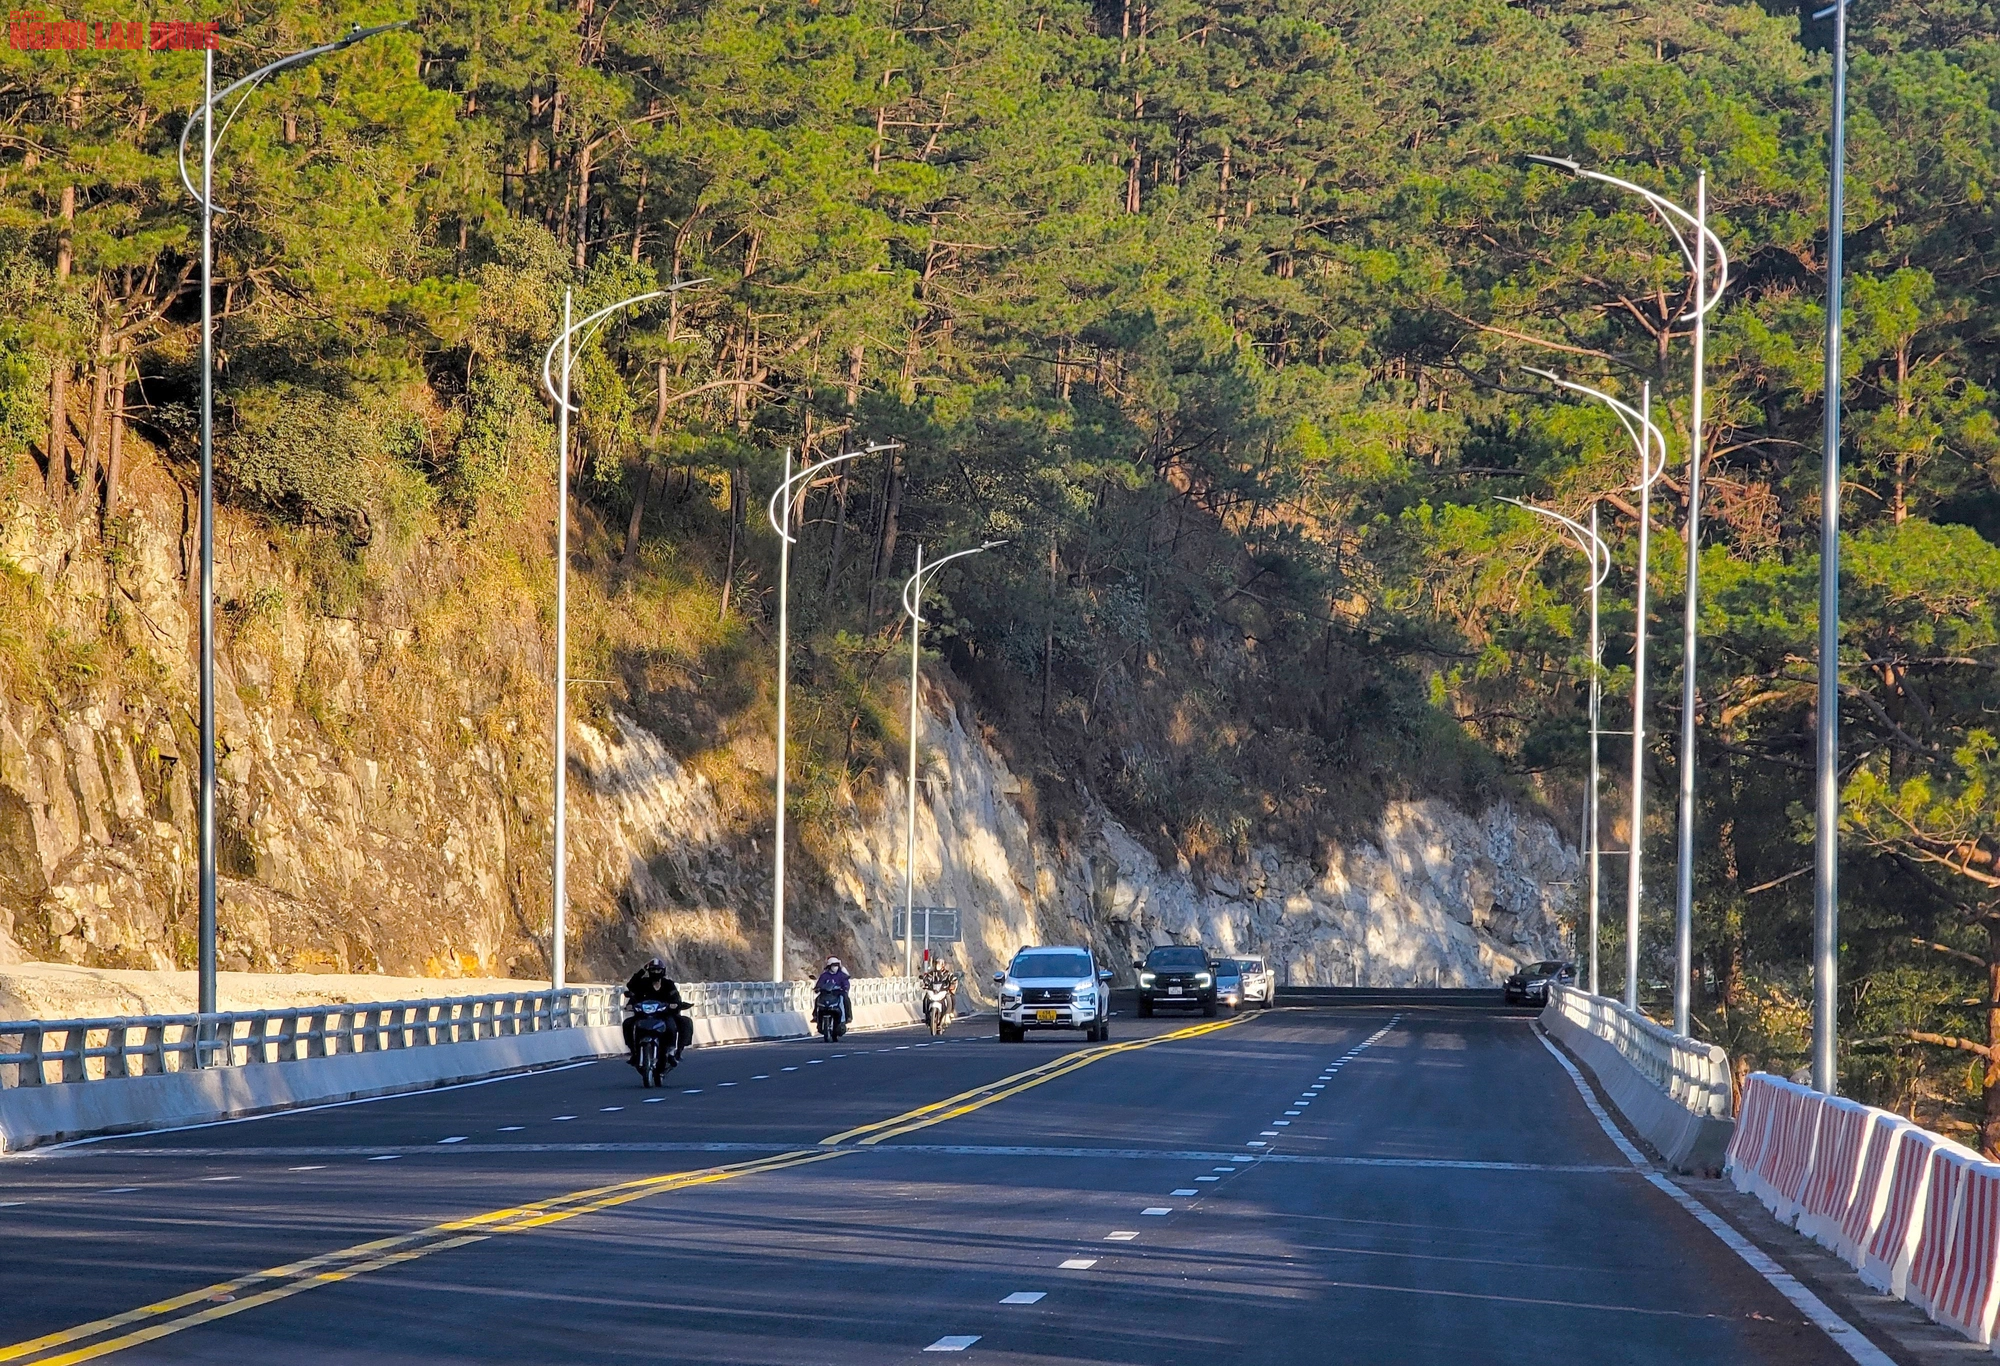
1917	1215
1672	1089
63	1079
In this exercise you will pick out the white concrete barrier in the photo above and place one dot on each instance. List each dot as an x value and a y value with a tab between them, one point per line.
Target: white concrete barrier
1673	1090
35	1115
84	1078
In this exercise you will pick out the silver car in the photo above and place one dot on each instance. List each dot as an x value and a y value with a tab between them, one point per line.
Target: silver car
1054	988
1260	983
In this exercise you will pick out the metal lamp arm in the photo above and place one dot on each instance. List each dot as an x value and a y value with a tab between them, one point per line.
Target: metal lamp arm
548	356
783	491
1668	211
1631	418
1591	544
356	35
912	599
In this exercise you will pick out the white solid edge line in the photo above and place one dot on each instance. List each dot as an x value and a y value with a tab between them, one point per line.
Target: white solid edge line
297	1110
1844	1334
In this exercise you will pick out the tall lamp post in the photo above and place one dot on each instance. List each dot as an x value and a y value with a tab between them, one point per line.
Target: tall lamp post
1599	554
558	390
205	115
1646	436
1826	822
1705	300
913	603
782	523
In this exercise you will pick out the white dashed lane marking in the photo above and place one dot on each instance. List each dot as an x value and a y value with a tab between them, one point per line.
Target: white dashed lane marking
1122	1236
1025	1297
1079	1264
511	1128
1156	1209
117	1190
1184	1191
455	1138
957	1342
319	1168
387	1157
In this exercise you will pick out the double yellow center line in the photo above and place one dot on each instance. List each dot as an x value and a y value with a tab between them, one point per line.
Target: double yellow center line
102	1337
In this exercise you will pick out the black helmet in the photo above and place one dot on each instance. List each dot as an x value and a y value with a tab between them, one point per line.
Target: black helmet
655	967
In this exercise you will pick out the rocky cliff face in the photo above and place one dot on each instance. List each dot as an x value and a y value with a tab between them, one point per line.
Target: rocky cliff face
384	808
1435	896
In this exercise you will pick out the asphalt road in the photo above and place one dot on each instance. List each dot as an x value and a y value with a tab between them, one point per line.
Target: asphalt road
1330	1183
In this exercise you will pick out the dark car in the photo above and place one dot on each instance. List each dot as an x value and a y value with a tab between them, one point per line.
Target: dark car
1176	975
1531	984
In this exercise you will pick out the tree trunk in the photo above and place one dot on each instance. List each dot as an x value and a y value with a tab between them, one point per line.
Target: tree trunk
100	381
729	571
57	479
839	533
114	465
649	477
643	489
885	544
582	202
639	217
1049	638
66	235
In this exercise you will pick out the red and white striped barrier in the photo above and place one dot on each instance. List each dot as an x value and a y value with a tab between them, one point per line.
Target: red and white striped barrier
1969	1291
1933	1254
1871	1190
1791	1151
1753	1127
1917	1215
1892	1243
1834	1170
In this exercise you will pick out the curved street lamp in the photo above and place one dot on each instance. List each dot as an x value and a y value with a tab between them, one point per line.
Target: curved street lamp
559	392
913	601
205	855
1599	554
1646	436
1705	300
782	525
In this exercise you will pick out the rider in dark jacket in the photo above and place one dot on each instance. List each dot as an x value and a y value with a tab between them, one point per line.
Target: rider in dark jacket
651	983
835	978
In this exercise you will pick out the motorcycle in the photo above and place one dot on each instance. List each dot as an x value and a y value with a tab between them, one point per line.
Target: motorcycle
655	1029
829	1016
937	1008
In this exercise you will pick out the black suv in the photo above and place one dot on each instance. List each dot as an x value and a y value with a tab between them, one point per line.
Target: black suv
1177	975
1531	984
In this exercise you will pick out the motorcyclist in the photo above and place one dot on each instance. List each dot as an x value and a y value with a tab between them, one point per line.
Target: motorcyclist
937	974
651	983
834	978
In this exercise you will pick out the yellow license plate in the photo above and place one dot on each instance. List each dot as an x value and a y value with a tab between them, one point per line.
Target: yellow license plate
1045	1016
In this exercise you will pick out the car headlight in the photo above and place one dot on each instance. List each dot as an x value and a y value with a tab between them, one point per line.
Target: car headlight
1202	979
1145	979
1010	987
